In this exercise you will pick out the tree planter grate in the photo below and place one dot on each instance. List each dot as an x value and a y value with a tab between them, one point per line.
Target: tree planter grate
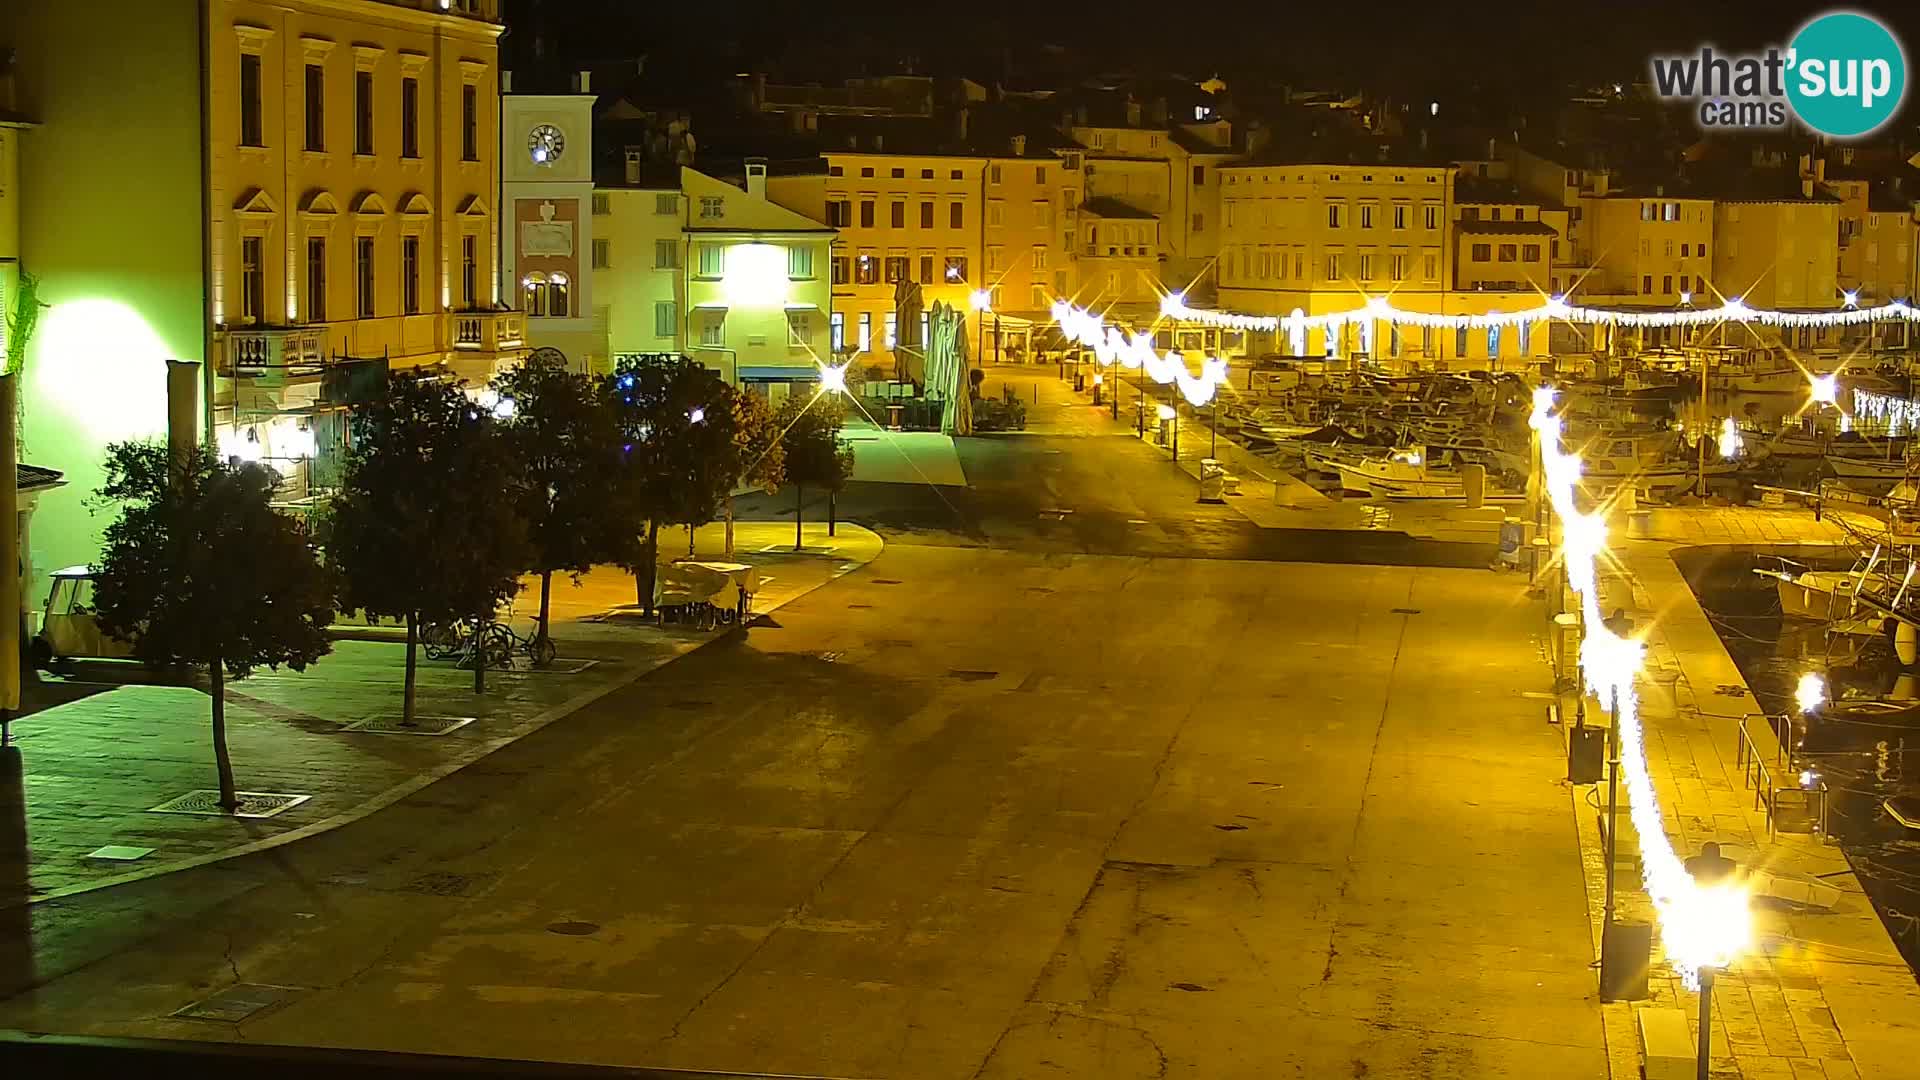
239	1002
395	725
253	804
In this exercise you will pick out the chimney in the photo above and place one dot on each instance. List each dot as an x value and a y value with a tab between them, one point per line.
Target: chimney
633	164
1018	144
757	177
583	82
1806	187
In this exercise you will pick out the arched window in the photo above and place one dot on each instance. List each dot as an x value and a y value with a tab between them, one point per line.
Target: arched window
557	296
534	289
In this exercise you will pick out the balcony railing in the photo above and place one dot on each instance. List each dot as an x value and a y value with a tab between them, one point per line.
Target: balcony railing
283	351
489	331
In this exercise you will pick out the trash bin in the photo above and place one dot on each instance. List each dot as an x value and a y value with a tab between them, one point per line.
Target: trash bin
1163	433
1213	481
1512	535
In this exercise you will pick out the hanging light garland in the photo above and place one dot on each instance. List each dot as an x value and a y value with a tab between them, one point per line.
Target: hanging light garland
1700	925
1898	414
1379	309
1111	346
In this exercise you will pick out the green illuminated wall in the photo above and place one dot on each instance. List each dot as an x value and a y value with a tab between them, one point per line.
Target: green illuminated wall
111	223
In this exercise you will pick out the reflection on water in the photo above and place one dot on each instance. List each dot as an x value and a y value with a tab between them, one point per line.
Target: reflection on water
1862	760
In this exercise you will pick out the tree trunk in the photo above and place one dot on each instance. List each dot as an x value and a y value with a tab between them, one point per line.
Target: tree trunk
406	697
689	539
729	524
217	674
546	591
650	568
799	511
833	511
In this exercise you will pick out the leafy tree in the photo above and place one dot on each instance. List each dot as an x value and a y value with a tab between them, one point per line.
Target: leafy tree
757	448
677	422
568	446
426	526
810	441
200	569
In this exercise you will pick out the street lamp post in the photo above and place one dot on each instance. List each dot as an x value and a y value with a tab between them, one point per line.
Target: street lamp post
981	301
1704	1062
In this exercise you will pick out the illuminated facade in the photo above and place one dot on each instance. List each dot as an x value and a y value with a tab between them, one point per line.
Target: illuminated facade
640	275
1172	173
1324	238
954	225
548	248
328	212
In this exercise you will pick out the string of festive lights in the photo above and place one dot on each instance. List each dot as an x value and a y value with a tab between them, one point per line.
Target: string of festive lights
1701	925
1112	346
1897	413
1380	309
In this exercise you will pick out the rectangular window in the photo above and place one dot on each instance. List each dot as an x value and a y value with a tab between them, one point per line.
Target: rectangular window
410	274
713	207
1043	213
666	254
469	122
1483	253
996	262
1460	343
897	215
839	213
602	204
1470	213
996	212
250	133
926	215
1040	174
1666	284
866	269
890	329
956	270
316	279
1199	223
253	290
800	262
1433	217
316	107
1366	268
1530	253
896	269
410	118
1495	215
866	331
1646	285
666	202
469	270
363	275
1399	268
713	331
1509	252
956	216
842	270
602	254
993	174
926	269
1199	175
1039	257
1399	216
1366	215
1526	338
899	174
1333	215
1700	286
1333	268
666	320
866	213
837	330
363	112
1039	298
713	260
799	329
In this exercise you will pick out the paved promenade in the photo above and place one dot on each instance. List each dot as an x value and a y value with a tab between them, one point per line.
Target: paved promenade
113	744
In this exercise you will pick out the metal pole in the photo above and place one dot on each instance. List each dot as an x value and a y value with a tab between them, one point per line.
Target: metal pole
1176	433
1706	1023
1213	428
1613	800
1113	391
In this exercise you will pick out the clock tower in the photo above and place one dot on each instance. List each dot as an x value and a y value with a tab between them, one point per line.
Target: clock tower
546	219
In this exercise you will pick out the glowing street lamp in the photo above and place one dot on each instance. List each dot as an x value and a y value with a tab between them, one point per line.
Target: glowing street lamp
1731	441
981	301
697	415
1824	389
833	380
1811	693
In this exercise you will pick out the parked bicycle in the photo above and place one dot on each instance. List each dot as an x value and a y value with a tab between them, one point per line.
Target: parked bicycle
467	639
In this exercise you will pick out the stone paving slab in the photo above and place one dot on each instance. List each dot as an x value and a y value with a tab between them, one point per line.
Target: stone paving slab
94	766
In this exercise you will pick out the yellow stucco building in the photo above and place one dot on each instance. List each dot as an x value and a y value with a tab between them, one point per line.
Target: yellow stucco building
292	194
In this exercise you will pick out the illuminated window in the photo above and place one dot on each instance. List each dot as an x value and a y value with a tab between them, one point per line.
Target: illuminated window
923	328
316	107
1526	338
558	302
469	123
800	262
892	323
713	260
666	319
1493	342
1460	343
250	133
363	275
896	269
410	274
799	329
866	269
713	330
837	324
956	269
253	290
534	293
866	331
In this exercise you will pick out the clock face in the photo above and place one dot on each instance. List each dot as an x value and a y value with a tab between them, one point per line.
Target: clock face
545	144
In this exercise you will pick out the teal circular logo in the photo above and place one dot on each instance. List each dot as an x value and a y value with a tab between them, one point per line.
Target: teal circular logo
1846	74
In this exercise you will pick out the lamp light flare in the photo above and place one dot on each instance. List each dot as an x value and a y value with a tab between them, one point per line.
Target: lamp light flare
697	415
1734	309
1731	441
1136	351
980	300
1700	925
1824	389
833	380
1164	412
1811	693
